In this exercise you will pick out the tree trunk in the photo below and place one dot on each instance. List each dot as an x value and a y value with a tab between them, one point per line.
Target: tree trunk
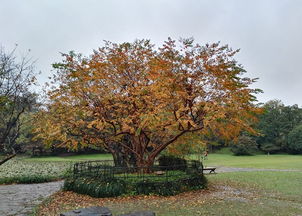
122	157
7	159
145	164
119	159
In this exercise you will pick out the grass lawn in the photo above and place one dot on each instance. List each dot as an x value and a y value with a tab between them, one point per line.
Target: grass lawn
53	167
241	193
280	161
71	158
20	171
287	184
237	193
23	169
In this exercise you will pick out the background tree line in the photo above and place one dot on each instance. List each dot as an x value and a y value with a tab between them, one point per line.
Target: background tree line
280	131
280	126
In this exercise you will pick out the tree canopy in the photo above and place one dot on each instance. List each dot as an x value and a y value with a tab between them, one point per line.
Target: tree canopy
275	124
295	140
137	100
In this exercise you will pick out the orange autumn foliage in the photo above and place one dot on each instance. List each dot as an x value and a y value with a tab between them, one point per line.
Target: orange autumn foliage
153	97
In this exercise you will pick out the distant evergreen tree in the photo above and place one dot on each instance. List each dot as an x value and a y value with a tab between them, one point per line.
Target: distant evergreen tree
295	140
275	124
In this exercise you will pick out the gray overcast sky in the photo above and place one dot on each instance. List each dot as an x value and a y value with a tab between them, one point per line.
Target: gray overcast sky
268	32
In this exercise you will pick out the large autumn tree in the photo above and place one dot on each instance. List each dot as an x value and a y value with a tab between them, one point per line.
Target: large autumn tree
136	99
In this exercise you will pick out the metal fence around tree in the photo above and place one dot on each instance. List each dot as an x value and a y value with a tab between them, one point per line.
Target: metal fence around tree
106	169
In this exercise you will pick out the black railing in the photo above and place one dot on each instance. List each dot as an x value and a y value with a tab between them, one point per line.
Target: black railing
106	169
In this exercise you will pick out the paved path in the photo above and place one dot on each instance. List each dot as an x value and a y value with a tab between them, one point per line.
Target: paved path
20	199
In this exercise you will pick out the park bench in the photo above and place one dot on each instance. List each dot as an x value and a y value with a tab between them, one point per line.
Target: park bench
211	169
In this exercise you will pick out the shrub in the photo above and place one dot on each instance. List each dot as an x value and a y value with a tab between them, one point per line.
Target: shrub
172	163
196	167
161	188
28	179
115	187
270	148
195	182
96	187
169	188
246	146
179	176
295	140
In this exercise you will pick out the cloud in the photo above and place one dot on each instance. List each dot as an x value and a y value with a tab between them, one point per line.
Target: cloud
267	32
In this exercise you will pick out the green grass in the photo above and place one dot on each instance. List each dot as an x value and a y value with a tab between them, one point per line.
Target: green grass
263	193
24	169
276	193
286	183
54	167
70	158
246	193
256	161
222	158
252	193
